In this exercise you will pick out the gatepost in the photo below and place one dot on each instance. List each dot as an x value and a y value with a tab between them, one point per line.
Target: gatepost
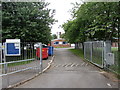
41	67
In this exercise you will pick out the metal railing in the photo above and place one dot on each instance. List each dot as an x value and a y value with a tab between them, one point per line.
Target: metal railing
17	68
102	54
93	52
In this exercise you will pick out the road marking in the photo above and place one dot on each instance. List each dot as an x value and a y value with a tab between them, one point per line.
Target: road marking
86	64
77	65
67	65
64	65
82	63
73	65
109	84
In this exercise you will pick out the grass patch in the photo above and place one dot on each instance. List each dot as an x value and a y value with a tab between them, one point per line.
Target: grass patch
61	47
19	63
78	52
114	49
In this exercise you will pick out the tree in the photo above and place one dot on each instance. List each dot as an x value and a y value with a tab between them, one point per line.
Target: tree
54	36
93	19
62	35
28	21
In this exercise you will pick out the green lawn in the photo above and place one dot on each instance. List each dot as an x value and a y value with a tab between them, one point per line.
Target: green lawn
61	47
19	63
26	54
116	66
78	52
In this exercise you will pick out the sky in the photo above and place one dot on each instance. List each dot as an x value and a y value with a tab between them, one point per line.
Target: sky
62	14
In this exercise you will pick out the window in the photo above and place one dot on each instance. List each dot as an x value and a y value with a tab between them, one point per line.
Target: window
64	42
56	42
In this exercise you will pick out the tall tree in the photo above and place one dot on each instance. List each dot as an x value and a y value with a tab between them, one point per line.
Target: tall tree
28	21
93	19
54	36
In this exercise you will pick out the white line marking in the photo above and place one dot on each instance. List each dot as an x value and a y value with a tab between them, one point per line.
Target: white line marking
77	65
67	65
63	65
82	64
109	84
86	64
72	64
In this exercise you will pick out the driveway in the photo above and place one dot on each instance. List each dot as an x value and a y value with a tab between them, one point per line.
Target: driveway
69	71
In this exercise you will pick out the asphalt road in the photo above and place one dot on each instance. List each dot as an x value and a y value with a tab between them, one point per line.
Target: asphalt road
68	71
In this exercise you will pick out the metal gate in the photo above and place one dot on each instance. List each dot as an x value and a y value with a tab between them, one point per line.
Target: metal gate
18	68
96	52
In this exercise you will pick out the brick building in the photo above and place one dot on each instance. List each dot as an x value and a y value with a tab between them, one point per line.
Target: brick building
59	43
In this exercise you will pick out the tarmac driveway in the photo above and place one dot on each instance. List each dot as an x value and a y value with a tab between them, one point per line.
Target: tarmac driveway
68	71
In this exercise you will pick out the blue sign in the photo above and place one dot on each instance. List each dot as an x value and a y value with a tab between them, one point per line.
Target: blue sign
12	49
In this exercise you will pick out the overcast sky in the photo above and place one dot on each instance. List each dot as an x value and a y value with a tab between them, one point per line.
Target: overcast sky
62	8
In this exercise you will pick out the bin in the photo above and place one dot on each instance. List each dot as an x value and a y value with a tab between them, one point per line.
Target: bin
50	50
44	53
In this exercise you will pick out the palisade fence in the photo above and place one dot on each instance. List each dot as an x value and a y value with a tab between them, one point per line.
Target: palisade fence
18	68
101	54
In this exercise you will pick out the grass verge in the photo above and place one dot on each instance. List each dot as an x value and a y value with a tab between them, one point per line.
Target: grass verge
19	63
78	52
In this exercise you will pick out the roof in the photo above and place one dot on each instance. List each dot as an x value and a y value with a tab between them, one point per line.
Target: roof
57	39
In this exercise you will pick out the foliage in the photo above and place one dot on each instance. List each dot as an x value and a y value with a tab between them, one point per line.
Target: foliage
28	21
54	36
62	35
93	21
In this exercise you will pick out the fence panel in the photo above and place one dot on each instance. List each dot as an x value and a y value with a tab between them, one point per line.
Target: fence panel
97	52
19	68
115	67
88	51
93	52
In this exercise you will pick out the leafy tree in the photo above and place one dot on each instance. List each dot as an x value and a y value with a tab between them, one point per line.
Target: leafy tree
62	35
28	21
93	21
54	36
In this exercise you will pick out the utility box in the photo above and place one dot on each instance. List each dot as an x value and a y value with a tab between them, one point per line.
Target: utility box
12	47
110	58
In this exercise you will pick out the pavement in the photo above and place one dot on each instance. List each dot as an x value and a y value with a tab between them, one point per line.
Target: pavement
69	71
16	78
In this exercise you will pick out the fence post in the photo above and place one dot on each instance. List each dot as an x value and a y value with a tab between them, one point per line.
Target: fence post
107	49
102	46
40	45
91	44
5	64
84	50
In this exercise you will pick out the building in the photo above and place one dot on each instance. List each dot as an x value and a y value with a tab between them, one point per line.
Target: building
59	43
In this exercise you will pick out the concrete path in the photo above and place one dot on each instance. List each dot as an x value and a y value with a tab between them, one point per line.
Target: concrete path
68	71
24	75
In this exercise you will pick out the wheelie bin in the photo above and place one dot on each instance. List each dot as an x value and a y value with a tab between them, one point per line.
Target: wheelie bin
50	50
44	52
